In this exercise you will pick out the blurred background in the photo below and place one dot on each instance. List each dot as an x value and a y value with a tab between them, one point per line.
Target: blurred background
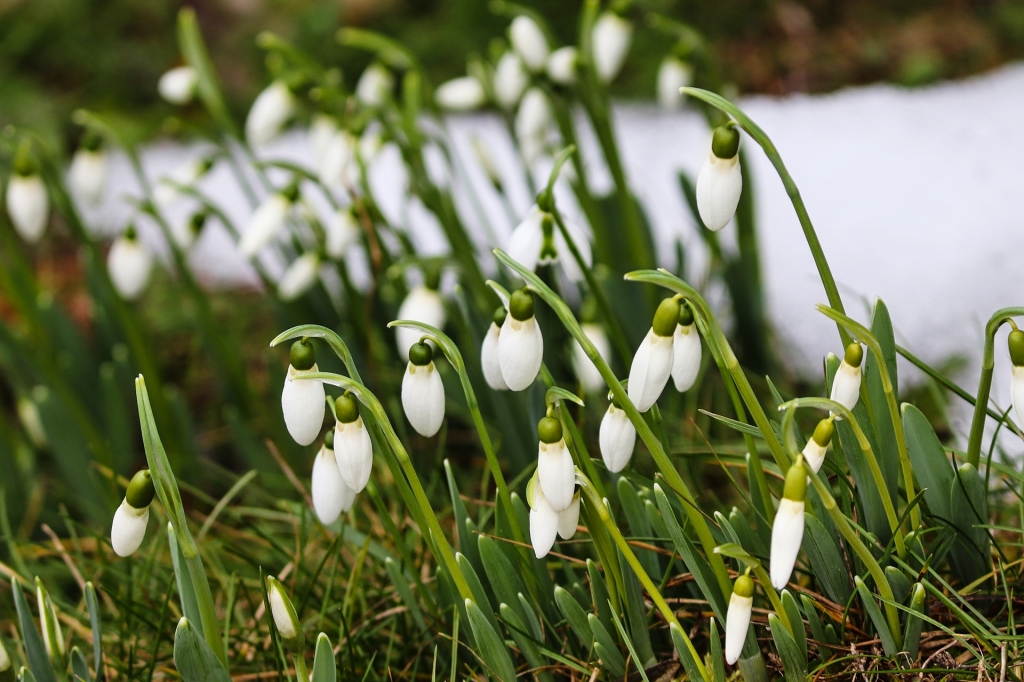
106	55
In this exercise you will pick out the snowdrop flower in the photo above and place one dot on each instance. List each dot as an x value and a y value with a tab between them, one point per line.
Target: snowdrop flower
487	162
737	618
352	447
546	523
299	277
652	364
585	368
341	231
533	121
337	161
88	173
616	438
817	445
5	661
53	638
267	220
460	94
720	182
303	400
537	240
673	75
422	304
423	391
1016	343
846	384
321	129
186	234
130	519
529	41
489	352
520	344
611	38
27	201
331	497
129	264
788	529
555	470
285	619
686	350
561	65
271	110
510	80
178	86
186	175
375	85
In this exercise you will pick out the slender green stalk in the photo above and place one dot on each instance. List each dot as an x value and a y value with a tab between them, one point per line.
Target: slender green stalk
752	129
988	362
301	672
662	459
864	334
596	503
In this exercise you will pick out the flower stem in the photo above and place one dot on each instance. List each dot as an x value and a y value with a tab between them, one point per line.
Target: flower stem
988	362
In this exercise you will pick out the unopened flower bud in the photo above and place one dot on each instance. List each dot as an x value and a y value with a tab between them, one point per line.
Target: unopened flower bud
846	384
423	391
720	182
652	364
1016	343
285	619
788	528
520	344
817	445
737	619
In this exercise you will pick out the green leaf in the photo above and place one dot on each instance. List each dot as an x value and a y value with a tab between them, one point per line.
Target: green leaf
717	660
324	667
504	579
467	544
885	434
490	647
796	620
97	629
599	594
932	469
633	508
38	660
556	393
405	592
476	587
912	628
193	657
186	591
969	555
898	582
606	648
745	429
521	635
575	616
193	49
79	666
531	616
826	561
689	663
636	613
794	666
875	614
747	538
814	622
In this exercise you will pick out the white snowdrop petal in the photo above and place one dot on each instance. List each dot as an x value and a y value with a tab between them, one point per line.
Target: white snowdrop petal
336	167
544	523
569	519
585	368
520	352
178	85
128	528
556	474
330	494
87	175
527	239
651	368
718	191
814	455
423	398
299	277
264	225
422	304
374	85
129	264
611	38
846	385
489	359
354	453
530	42
271	110
321	129
787	535
461	94
686	352
616	437
342	231
282	617
303	403
737	621
510	80
533	121
28	205
561	65
1017	391
673	74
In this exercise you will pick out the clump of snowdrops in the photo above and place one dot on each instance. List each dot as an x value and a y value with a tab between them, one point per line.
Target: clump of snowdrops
618	522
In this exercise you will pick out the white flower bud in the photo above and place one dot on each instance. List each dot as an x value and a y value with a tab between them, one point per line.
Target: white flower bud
28	205
375	85
422	304
299	277
569	518
616	437
423	398
53	638
673	75
533	121
354	453
719	185
510	80
686	352
337	161
846	385
88	174
285	619
461	94
561	66
128	529
331	496
585	368
737	618
651	368
787	535
264	224
5	658
611	38
489	359
544	522
342	230
321	129
529	41
556	474
271	110
178	86
129	264
520	352
1017	393
303	403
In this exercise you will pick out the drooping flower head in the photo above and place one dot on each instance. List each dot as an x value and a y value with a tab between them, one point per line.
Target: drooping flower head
788	528
686	350
585	368
271	110
510	80
423	391
130	519
529	41
520	343
673	75
616	438
460	94
545	523
611	38
178	86
846	384
720	181
268	220
489	359
88	173
129	264
27	202
1016	345
423	304
652	364
353	449
737	619
561	66
331	496
375	85
537	240
817	445
533	124
555	469
303	401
